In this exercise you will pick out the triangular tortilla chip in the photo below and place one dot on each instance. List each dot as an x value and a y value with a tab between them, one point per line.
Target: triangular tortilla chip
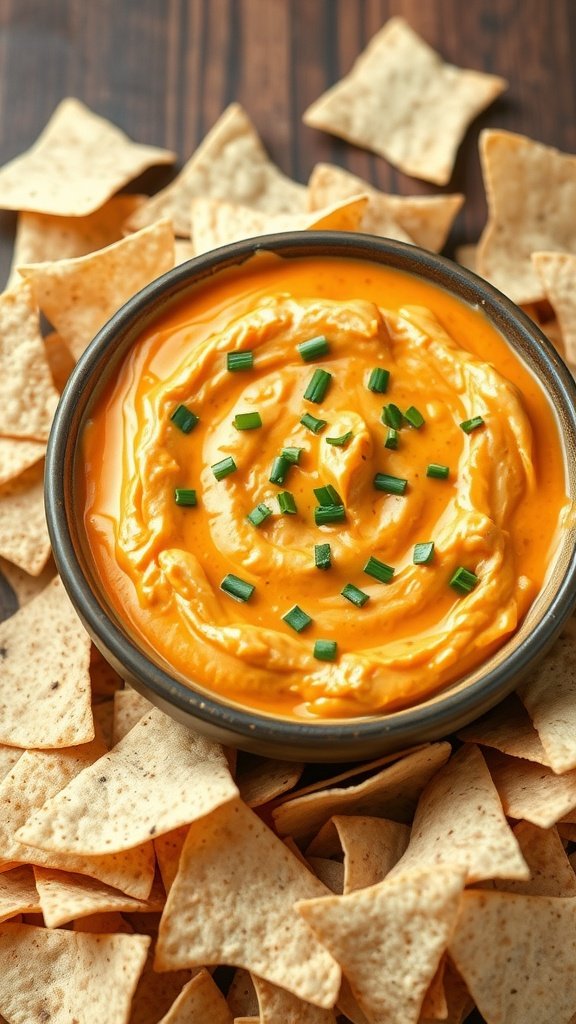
241	998
104	680
389	939
277	1006
260	779
392	792
183	251
159	777
557	271
549	695
59	358
18	455
531	193
129	708
28	397
255	926
27	587
551	873
330	873
76	976
200	1001
516	955
459	821
371	847
324	777
229	164
507	728
423	220
467	255
458	1001
396	96
156	993
103	924
532	791
44	674
75	165
8	758
24	536
168	849
66	897
18	894
79	295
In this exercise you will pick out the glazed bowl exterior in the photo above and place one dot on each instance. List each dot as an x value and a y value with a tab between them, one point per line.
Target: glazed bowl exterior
346	740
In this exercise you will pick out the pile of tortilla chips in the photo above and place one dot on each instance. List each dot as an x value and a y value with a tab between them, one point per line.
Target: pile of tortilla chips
138	859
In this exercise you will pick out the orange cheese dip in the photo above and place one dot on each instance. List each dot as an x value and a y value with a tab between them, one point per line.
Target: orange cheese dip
497	515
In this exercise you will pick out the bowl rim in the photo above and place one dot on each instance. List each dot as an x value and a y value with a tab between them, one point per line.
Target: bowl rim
402	727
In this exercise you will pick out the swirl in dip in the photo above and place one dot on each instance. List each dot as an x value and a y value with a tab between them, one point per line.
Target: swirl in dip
485	523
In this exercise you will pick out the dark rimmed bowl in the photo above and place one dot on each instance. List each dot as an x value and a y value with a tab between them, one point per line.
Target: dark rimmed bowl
348	740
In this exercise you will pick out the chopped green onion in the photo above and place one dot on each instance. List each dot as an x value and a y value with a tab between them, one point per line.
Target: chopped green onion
423	553
224	467
414	418
437	471
379	570
390	484
292	454
287	503
297	619
322	556
392	439
342	441
378	380
469	425
259	514
236	588
355	595
185	496
247	420
313	424
329	514
392	416
239	361
280	467
327	495
313	348
318	386
184	418
326	650
463	580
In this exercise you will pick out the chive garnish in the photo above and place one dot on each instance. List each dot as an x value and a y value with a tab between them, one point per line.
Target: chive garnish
224	467
297	618
329	514
247	420
414	417
423	553
185	496
239	361
463	580
392	416
318	386
259	514
437	471
322	556
390	484
327	495
378	380
184	418
355	595
292	454
379	570
469	425
280	467
313	424
342	441
326	650
313	348
236	588
287	503
392	439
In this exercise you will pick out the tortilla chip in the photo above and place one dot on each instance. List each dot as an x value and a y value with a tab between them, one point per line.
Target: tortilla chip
17	455
24	536
422	220
104	680
507	728
458	1001
75	165
242	999
24	586
183	251
28	397
392	792
330	873
459	821
532	792
260	779
551	873
45	682
534	980
168	849
389	939
549	695
159	777
59	359
276	1006
18	893
531	193
434	1006
156	993
199	1001
467	255
66	897
103	714
76	976
371	847
395	97
79	295
129	708
256	926
8	758
363	768
103	924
